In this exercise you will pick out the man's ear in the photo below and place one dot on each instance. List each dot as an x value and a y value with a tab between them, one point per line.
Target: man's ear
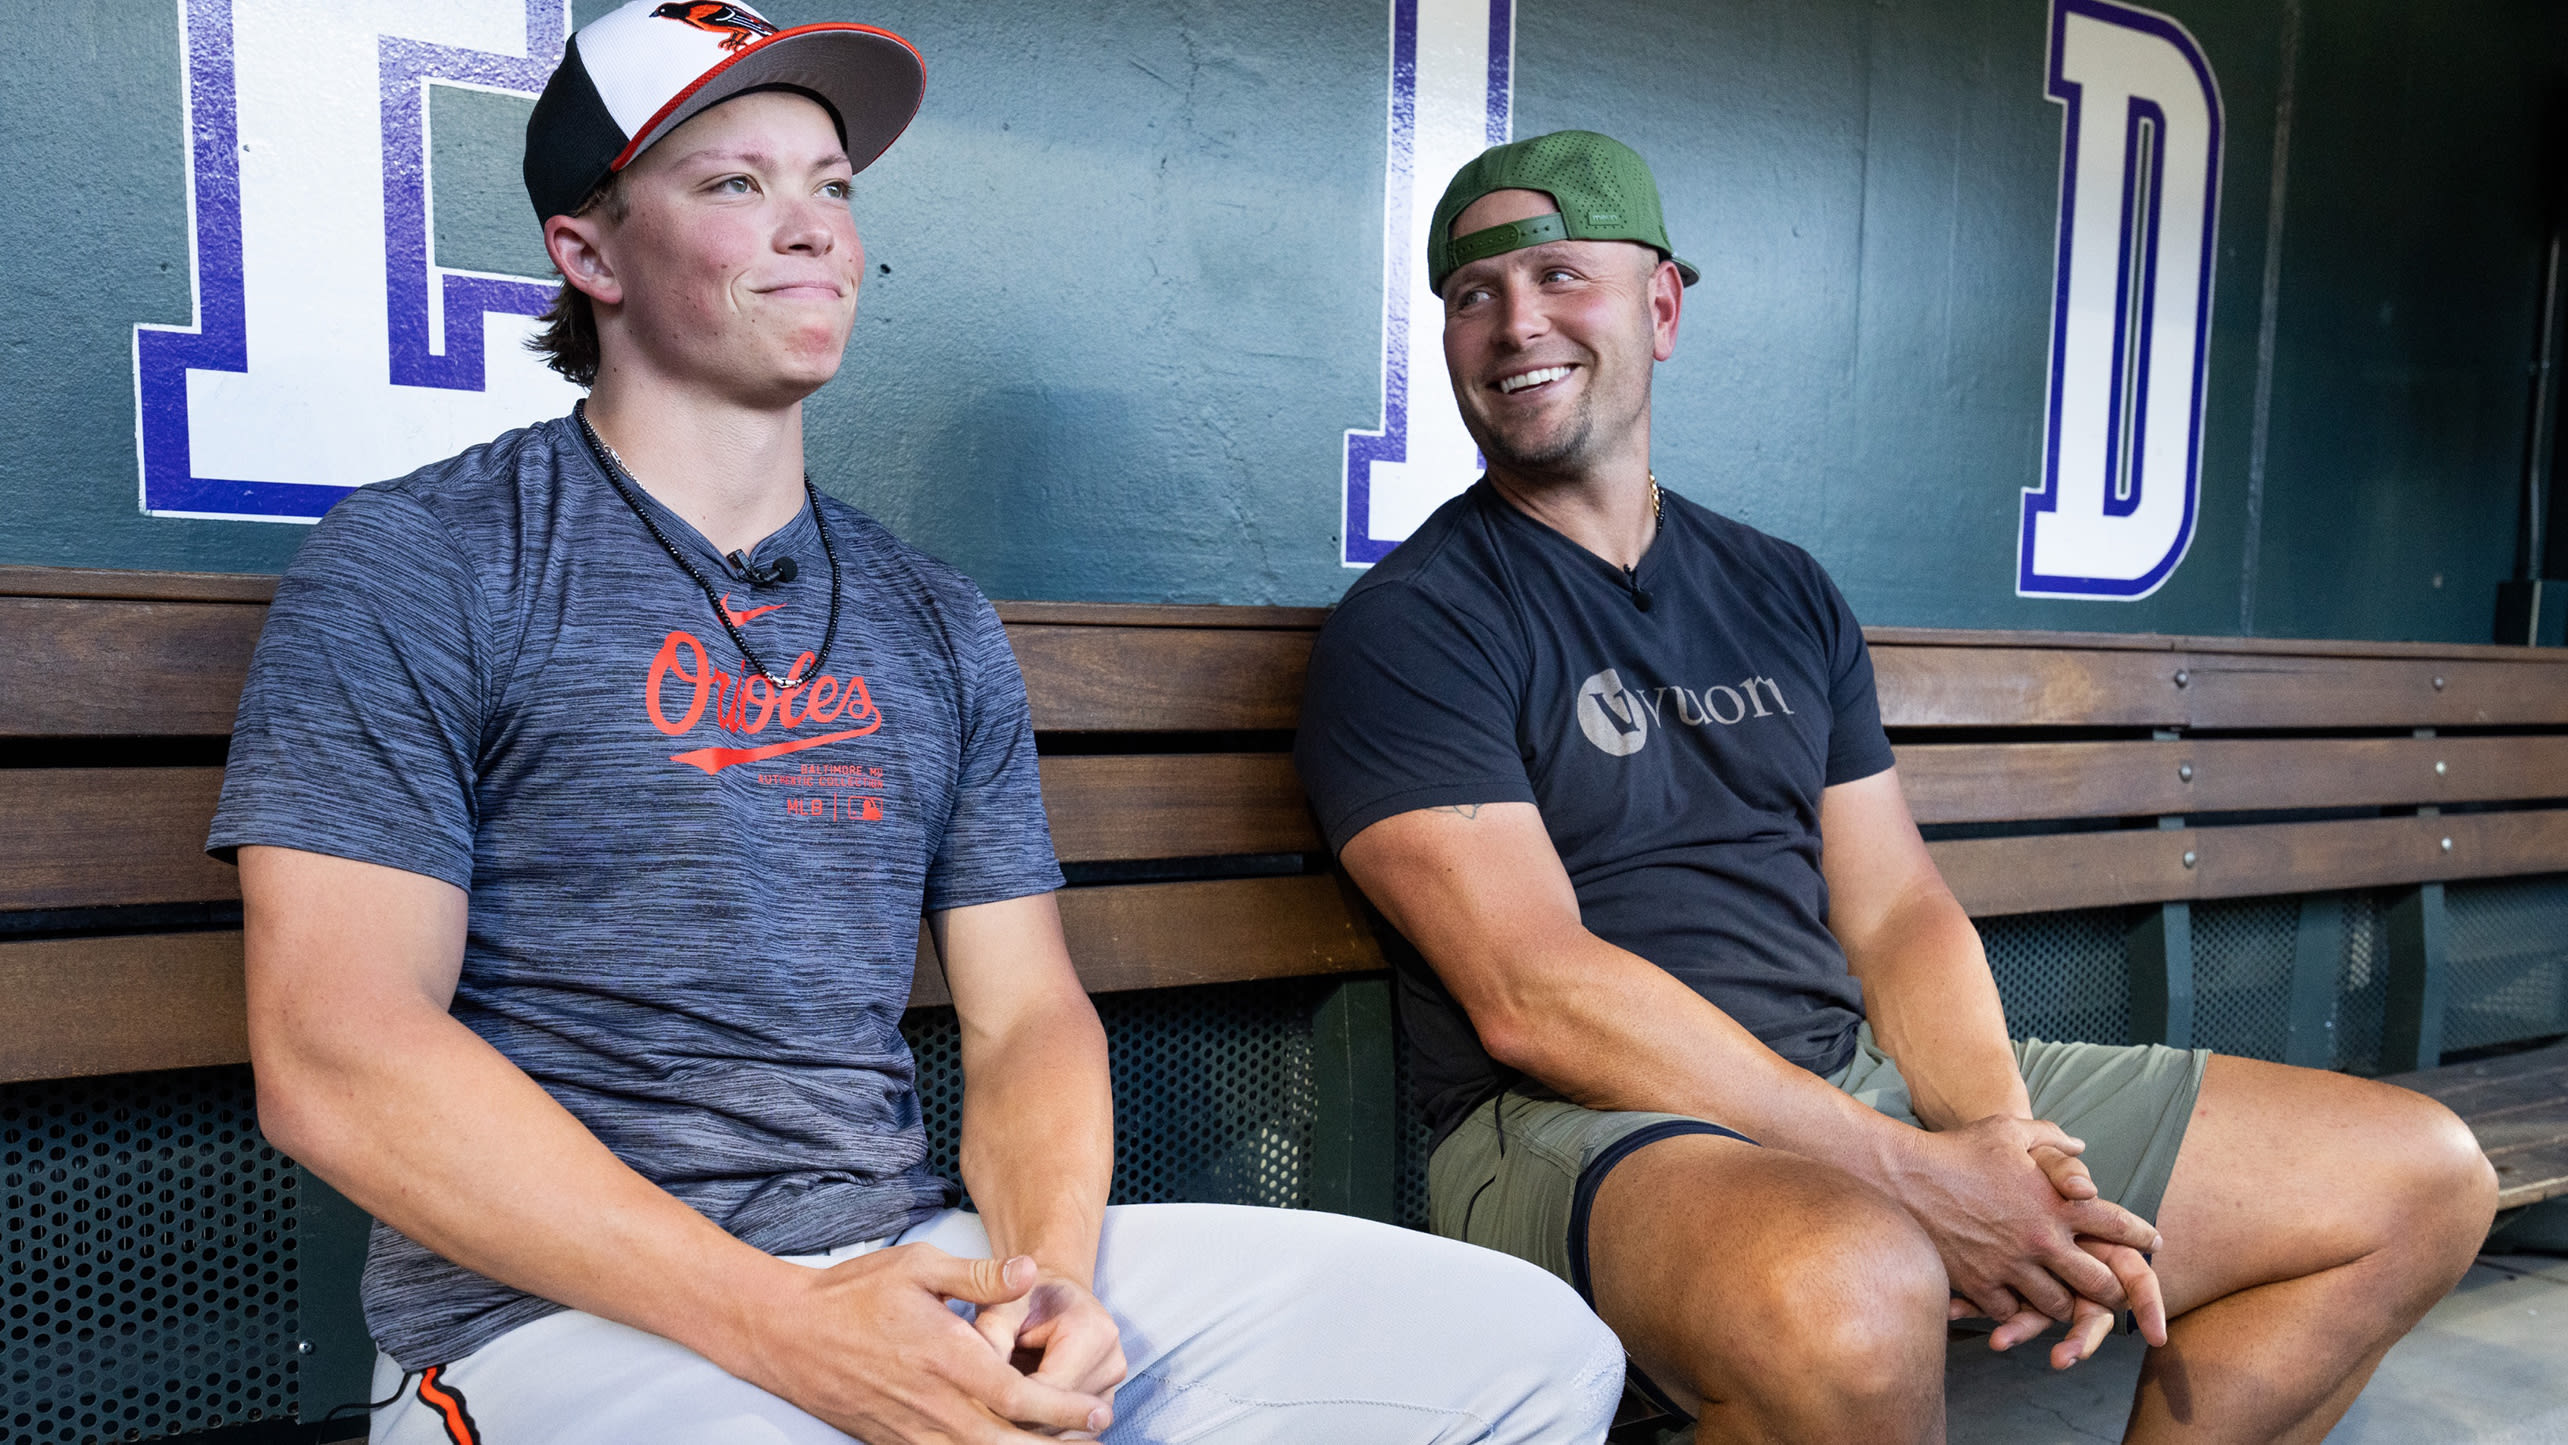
1667	305
574	244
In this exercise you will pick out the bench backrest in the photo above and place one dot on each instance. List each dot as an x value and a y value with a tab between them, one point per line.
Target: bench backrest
2099	769
2098	788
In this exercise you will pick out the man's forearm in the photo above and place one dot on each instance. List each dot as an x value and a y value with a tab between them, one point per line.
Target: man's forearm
1038	1135
434	1132
1607	1029
1934	1007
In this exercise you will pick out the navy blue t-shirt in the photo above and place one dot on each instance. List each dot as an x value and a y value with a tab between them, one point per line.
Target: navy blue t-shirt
1676	754
695	902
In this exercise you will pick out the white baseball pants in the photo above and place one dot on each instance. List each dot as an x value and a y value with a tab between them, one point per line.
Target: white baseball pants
1239	1325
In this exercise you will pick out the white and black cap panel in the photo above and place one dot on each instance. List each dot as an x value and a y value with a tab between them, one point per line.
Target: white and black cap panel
871	78
632	76
571	139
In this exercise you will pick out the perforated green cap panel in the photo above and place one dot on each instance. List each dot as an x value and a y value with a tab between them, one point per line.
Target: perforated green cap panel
1604	190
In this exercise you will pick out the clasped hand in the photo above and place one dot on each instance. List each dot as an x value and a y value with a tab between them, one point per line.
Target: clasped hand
2024	1238
871	1346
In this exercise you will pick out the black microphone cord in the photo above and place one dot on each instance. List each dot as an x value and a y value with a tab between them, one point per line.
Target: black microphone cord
613	466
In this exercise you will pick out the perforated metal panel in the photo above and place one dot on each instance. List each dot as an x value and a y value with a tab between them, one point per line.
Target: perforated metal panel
1213	1094
2507	974
149	1272
2362	990
2242	952
2064	975
1409	1183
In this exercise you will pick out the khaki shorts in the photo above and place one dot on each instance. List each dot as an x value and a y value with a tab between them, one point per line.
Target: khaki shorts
1520	1173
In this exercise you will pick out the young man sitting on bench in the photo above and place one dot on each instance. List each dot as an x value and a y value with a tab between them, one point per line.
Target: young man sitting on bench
588	791
1697	1025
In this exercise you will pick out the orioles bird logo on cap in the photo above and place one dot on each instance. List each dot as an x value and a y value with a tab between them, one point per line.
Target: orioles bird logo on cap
736	26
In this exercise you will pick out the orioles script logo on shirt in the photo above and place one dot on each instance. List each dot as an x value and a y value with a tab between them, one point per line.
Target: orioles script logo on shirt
746	704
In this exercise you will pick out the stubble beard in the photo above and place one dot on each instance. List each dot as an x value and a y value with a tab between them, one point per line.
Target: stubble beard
1567	451
1567	444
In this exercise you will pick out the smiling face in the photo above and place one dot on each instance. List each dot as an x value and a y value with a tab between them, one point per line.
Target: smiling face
1550	347
735	266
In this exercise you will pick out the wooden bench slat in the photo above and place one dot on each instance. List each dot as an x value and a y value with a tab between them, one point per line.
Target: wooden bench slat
2046	873
1225	930
136	1002
23	581
2531	1175
2485	1085
1968	637
1985	782
1181	805
2232	691
2493	1097
83	1006
1925	687
175	669
2043	873
1948	686
2456	1079
88	668
109	837
1162	679
2525	1128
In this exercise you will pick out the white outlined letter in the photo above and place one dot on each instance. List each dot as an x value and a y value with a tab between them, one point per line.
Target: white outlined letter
327	349
2131	308
1451	91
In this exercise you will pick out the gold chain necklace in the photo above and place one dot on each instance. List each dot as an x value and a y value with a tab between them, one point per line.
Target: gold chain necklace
1658	523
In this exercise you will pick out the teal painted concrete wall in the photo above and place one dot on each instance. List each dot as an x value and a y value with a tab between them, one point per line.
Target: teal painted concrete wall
1133	291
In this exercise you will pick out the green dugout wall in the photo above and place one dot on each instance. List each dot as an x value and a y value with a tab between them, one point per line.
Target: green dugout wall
1127	294
1126	303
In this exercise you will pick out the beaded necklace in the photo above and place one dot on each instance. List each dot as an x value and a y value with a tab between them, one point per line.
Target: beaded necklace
618	474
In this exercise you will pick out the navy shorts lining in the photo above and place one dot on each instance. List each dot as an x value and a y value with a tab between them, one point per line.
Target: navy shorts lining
1582	1204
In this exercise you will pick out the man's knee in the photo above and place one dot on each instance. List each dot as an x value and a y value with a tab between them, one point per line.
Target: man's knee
1857	1293
1792	1291
1850	1306
2445	1190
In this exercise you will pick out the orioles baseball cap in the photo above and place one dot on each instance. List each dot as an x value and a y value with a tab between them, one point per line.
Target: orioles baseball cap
1603	188
633	75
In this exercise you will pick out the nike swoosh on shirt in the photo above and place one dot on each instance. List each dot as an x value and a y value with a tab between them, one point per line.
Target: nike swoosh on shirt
714	760
742	618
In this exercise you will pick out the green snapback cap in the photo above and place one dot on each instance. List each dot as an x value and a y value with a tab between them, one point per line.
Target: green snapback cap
1602	186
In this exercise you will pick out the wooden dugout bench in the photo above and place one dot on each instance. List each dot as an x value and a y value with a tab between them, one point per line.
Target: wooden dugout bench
2127	783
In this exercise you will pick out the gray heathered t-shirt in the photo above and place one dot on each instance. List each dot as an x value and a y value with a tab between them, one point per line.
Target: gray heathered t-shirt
694	903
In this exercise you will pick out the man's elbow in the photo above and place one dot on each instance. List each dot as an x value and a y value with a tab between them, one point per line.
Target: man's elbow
293	1104
1524	1011
1515	1038
306	1091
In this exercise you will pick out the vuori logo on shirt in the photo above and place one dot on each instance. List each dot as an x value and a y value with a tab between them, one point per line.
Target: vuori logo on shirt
1617	719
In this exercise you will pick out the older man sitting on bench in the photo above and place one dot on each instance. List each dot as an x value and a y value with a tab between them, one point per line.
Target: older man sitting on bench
1696	1023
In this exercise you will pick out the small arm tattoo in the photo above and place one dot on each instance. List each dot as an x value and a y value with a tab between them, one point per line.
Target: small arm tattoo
1460	810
